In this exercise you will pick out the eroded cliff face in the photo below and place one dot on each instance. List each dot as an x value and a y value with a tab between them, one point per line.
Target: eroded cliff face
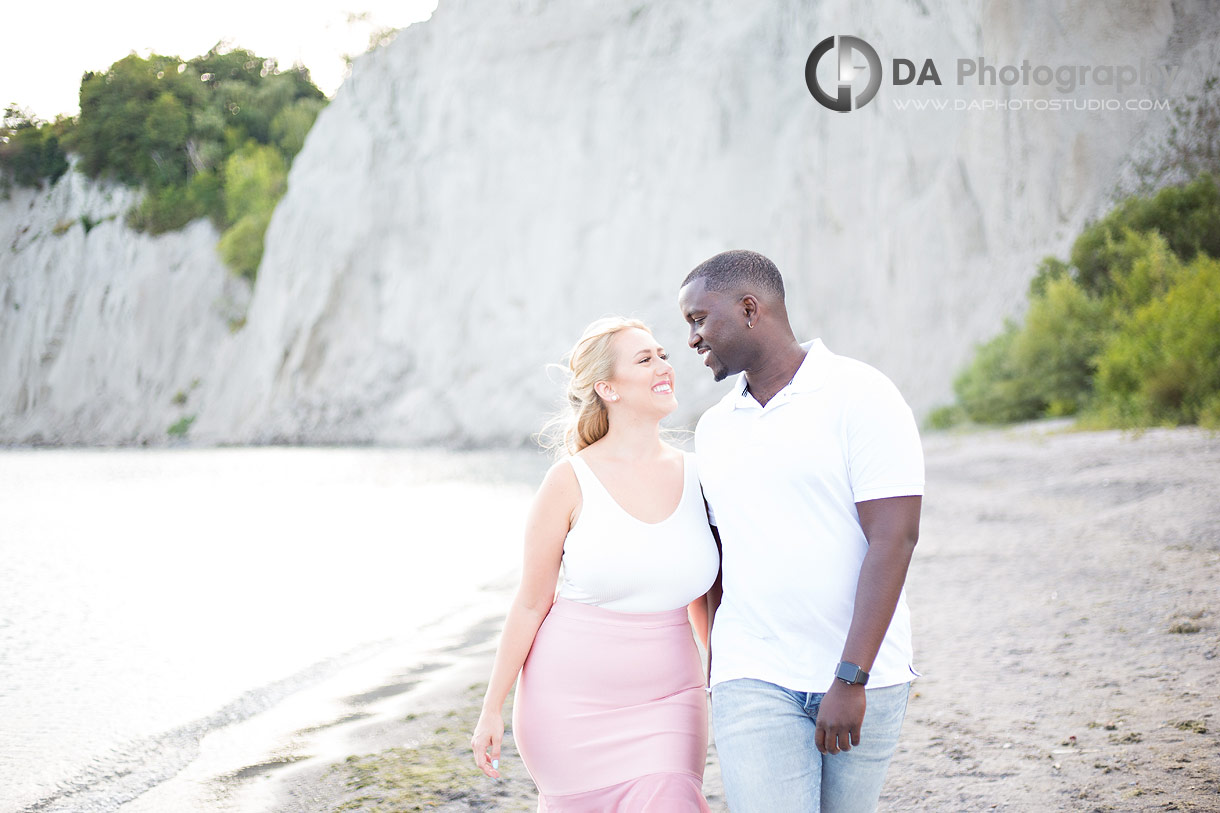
107	336
499	176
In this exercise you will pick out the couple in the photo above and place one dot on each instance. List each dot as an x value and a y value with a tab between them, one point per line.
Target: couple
811	473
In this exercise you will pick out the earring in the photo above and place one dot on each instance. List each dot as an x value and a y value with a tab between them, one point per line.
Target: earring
749	324
614	397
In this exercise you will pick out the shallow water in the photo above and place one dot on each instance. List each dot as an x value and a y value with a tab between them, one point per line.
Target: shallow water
148	598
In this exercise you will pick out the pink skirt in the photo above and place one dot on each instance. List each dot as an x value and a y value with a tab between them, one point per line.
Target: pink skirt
611	712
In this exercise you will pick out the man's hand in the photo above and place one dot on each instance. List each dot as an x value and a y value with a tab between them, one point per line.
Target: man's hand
840	716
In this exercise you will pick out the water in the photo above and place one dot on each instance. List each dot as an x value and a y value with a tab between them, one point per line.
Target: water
148	598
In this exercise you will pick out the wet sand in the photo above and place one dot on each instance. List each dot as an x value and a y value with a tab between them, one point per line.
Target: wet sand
1064	594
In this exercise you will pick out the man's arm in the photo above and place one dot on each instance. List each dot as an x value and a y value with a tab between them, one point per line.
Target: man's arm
891	527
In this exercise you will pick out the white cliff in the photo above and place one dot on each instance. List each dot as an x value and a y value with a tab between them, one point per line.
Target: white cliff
106	335
499	176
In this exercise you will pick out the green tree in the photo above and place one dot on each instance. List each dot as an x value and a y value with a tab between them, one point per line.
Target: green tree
114	105
212	137
166	128
30	151
293	123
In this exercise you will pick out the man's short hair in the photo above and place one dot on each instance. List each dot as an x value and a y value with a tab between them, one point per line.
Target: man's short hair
738	270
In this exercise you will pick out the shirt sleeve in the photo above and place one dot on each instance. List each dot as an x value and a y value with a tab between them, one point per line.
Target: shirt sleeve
885	456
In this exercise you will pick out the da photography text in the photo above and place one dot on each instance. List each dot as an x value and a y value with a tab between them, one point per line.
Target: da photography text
856	64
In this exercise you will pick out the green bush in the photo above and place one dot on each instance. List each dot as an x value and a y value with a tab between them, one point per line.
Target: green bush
1054	352
992	389
241	246
1128	329
1044	367
163	209
1163	365
254	180
1187	217
945	417
180	427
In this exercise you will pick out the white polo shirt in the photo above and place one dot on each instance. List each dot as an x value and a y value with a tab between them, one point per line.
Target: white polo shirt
782	482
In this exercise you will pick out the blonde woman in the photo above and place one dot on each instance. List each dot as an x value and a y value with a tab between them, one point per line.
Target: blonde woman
610	711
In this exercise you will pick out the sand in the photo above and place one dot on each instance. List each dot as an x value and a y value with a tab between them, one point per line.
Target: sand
1065	597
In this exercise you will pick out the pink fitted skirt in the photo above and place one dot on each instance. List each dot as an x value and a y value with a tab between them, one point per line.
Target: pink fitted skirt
611	712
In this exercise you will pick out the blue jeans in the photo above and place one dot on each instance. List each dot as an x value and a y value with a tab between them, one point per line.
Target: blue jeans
768	760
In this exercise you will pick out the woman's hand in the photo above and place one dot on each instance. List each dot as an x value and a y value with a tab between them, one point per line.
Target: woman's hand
488	734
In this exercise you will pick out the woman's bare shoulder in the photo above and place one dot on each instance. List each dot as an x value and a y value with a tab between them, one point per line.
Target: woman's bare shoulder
560	482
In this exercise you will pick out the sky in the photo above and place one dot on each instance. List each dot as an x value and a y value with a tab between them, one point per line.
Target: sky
49	45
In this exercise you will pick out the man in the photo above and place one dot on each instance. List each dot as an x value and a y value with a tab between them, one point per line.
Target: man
813	474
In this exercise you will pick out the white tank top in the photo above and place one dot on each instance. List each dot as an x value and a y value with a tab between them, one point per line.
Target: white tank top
615	561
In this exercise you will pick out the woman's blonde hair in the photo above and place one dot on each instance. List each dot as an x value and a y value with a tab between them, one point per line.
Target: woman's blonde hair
590	360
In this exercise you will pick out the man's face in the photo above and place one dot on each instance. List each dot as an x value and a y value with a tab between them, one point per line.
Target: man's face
716	326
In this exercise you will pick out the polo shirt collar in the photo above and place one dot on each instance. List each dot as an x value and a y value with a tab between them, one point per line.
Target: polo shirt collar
809	376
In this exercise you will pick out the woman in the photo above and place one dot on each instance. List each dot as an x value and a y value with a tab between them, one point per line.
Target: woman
610	711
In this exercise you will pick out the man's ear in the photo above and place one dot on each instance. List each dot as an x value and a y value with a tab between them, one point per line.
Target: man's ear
749	306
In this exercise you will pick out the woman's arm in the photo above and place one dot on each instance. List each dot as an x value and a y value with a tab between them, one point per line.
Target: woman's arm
697	612
702	609
547	526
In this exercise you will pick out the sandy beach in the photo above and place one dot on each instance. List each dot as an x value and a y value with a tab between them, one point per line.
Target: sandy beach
1064	596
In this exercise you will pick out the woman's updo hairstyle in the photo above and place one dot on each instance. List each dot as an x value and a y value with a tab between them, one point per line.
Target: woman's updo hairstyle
591	359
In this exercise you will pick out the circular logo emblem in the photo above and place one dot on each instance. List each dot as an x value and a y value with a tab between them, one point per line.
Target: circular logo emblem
847	70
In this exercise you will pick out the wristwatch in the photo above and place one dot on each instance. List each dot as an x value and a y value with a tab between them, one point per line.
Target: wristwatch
851	674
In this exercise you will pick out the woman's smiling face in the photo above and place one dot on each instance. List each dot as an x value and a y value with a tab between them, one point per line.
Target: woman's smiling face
643	378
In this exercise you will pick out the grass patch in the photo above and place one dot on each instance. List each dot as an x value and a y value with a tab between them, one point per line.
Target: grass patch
437	769
1196	726
1130	738
1184	628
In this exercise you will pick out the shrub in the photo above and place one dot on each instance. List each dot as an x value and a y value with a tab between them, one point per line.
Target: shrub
1064	330
1130	327
180	427
254	181
1163	366
1187	217
992	389
241	246
945	417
